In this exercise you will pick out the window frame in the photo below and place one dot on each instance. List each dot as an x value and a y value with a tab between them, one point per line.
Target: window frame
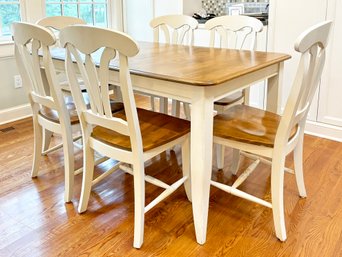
30	11
112	6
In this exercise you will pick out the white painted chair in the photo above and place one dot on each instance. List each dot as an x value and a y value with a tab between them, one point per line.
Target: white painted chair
173	29
235	32
51	111
55	24
271	136
131	136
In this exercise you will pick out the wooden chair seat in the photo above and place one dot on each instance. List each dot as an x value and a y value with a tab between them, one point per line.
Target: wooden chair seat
52	115
249	125
231	99
156	129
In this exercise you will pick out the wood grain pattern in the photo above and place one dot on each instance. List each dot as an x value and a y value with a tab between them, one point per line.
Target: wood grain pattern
156	129
35	221
222	64
198	66
52	115
248	124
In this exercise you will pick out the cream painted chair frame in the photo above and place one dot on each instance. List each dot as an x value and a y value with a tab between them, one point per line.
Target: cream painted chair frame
173	29
55	24
86	40
311	44
30	40
236	32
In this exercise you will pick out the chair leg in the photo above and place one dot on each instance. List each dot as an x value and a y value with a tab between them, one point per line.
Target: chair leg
186	167
69	166
186	107
38	145
163	105
277	191
235	161
175	108
139	203
246	93
47	134
88	174
298	162
152	103
219	156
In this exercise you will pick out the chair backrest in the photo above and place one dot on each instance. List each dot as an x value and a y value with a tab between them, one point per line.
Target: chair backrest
177	29
311	44
59	22
32	53
82	43
56	23
234	31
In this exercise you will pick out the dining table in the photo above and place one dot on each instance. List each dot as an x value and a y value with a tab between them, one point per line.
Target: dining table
199	76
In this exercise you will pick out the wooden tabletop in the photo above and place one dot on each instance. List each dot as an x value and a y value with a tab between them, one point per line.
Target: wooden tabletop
200	66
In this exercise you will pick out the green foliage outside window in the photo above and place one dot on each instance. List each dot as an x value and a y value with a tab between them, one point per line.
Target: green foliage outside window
8	13
92	11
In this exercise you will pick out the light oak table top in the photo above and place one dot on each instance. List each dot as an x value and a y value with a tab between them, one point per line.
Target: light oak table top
200	66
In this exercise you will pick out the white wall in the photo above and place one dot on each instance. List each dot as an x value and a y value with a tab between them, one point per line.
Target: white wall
191	6
10	96
288	18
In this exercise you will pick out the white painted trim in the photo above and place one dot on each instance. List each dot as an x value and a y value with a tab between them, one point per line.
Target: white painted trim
323	130
6	49
15	113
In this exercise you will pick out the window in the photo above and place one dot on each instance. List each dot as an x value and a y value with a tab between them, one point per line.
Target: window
92	11
9	12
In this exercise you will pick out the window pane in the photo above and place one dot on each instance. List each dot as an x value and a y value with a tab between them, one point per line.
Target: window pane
86	13
100	15
94	12
53	9
70	10
8	14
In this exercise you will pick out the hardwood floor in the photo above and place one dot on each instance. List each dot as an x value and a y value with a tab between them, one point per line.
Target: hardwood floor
35	221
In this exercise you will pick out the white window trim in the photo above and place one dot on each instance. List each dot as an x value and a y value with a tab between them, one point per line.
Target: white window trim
114	13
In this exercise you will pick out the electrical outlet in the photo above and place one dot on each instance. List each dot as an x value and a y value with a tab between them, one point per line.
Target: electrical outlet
18	83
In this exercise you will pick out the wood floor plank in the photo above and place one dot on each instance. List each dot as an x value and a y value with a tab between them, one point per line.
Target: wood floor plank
35	221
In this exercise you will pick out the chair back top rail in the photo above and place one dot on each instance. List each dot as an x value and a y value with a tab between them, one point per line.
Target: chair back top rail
59	22
237	31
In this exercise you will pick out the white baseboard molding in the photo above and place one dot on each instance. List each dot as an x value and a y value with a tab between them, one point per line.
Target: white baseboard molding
15	113
324	130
